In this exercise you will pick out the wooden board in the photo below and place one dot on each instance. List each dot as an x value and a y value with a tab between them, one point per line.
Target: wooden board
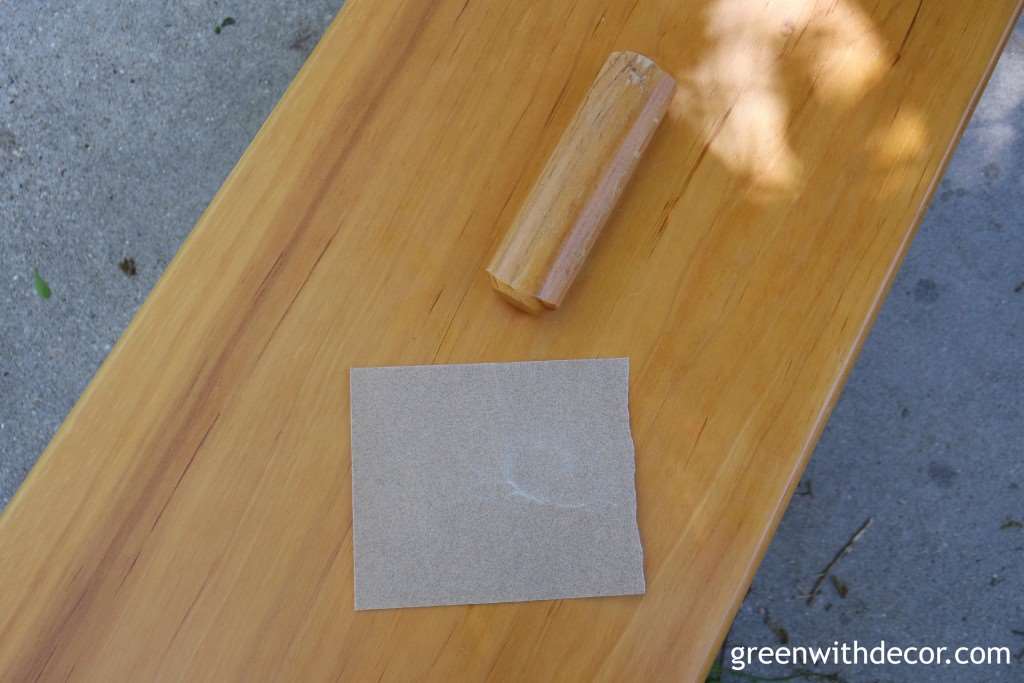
191	520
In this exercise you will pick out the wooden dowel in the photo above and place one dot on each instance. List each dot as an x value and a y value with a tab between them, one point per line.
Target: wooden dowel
549	240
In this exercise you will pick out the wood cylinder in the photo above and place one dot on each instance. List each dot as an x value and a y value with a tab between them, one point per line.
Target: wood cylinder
550	238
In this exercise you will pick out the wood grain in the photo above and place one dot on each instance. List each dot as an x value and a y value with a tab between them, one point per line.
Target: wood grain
191	519
547	245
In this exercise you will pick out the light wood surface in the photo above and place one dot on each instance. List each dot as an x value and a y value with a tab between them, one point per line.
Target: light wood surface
191	520
570	203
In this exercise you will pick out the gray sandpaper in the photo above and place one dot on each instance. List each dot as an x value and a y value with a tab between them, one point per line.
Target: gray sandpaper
495	482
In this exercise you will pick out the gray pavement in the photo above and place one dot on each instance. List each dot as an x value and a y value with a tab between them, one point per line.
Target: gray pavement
120	119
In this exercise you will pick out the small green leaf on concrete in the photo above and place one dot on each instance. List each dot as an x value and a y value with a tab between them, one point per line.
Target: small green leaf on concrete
228	21
42	288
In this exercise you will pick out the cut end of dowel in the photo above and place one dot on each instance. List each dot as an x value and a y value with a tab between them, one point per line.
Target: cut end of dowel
524	302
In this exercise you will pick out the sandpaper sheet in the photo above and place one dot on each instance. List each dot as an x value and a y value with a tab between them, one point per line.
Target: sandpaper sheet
493	483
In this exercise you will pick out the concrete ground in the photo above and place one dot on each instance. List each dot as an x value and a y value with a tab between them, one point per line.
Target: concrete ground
119	119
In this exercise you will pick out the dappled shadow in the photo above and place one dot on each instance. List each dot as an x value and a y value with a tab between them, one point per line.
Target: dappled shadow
738	89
